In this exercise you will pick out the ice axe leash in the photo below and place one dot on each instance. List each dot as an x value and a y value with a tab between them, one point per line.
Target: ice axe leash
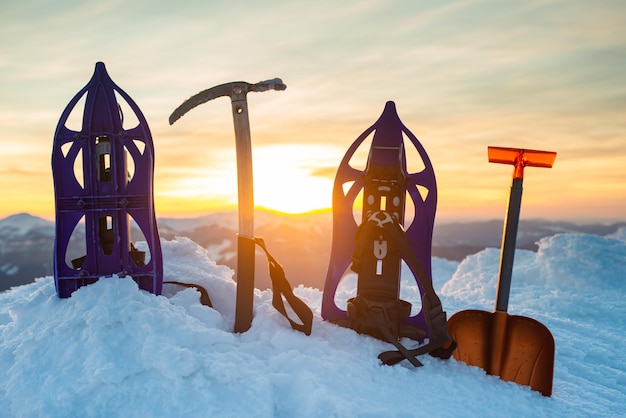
237	91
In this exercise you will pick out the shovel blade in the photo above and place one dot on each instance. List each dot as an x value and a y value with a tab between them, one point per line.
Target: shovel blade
515	348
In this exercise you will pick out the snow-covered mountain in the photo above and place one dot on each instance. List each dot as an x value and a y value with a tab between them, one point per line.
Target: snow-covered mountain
112	350
26	244
301	243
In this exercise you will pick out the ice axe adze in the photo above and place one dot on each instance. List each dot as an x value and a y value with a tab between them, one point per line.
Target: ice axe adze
237	92
515	348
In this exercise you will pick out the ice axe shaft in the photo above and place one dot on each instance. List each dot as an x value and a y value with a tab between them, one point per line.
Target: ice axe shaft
237	91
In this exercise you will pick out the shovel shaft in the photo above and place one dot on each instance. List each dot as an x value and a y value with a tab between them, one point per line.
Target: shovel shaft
507	252
519	158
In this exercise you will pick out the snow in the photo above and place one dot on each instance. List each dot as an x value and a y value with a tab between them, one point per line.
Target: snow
112	350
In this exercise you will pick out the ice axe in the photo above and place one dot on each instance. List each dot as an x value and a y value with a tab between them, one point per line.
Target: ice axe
515	348
237	92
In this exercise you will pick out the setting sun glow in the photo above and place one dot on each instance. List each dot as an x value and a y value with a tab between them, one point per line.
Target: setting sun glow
284	181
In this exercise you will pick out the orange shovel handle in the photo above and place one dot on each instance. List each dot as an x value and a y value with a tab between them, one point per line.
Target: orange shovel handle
520	158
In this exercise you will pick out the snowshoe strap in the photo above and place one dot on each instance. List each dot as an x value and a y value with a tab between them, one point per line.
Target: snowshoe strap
382	319
282	292
440	343
204	295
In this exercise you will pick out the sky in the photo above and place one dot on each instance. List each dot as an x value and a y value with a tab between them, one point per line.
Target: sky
114	351
464	75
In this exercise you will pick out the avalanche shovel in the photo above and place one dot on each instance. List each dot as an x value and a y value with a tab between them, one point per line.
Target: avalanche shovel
237	92
515	348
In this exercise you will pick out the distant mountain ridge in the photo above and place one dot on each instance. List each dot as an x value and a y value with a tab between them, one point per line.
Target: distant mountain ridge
26	244
300	242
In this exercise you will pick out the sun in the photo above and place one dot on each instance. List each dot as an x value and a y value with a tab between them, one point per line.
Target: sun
293	195
283	179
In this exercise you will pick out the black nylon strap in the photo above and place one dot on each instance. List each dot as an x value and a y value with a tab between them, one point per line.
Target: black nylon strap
440	344
380	320
204	295
431	304
282	289
381	323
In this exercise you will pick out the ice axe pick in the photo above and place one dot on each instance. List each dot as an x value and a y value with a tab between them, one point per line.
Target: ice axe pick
237	92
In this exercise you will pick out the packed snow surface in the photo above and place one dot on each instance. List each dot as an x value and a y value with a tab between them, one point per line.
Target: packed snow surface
112	350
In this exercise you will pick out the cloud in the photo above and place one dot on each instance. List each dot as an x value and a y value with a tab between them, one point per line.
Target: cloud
463	74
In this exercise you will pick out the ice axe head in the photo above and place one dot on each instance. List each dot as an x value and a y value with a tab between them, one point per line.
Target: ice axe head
236	90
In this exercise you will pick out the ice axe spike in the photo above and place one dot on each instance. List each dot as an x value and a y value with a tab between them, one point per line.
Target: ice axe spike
237	92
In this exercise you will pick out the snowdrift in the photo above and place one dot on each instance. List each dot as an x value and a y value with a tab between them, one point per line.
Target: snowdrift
112	350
